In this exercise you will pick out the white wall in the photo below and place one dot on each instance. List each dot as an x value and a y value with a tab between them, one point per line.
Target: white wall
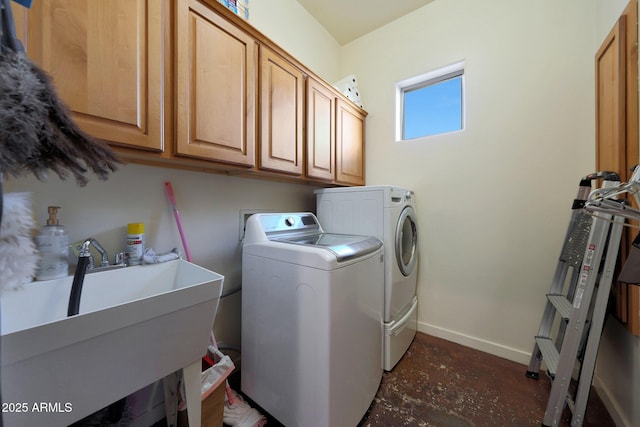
494	199
289	25
209	206
617	376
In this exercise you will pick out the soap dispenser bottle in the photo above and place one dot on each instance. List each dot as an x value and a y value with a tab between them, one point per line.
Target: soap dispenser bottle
53	245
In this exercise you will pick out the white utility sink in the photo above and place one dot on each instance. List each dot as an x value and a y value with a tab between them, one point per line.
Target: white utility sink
136	325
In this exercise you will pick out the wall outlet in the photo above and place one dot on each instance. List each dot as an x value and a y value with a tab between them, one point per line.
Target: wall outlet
244	216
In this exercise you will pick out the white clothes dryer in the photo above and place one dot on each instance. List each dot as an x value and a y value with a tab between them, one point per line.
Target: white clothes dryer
311	320
387	213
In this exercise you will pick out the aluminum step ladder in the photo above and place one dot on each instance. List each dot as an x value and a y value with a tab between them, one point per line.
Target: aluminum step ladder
577	301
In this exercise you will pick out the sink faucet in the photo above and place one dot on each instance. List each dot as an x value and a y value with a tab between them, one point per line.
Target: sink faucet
78	279
103	253
85	266
118	261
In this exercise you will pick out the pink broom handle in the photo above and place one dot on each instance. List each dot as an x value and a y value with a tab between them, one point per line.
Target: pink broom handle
176	213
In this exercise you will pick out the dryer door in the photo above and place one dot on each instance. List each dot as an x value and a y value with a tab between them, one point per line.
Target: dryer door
407	241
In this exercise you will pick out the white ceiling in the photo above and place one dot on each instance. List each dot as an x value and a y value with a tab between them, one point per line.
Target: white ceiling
347	20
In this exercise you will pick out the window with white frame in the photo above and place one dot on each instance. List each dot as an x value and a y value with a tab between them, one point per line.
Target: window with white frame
430	104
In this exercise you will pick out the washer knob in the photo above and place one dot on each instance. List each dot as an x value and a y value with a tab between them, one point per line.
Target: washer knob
290	221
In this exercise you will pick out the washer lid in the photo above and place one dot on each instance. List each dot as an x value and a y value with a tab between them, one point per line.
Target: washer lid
302	228
343	246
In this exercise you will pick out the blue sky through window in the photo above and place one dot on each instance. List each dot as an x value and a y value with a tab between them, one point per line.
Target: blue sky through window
433	109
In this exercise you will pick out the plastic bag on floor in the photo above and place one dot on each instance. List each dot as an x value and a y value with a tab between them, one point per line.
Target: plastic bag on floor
216	374
240	414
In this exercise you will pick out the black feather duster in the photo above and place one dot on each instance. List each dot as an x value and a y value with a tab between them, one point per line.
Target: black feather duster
36	130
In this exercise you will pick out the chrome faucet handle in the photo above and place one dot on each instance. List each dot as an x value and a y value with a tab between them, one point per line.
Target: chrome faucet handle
118	258
104	262
86	255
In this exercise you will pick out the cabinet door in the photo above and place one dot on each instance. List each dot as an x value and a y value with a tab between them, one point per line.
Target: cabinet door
349	144
106	58
617	134
282	114
321	142
216	87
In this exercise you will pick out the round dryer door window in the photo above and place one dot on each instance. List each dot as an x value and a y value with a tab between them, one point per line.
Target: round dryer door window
407	241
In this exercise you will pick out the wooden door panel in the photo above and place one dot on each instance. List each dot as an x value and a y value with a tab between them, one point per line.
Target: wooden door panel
610	103
610	126
349	145
105	57
320	131
632	142
617	132
282	114
216	80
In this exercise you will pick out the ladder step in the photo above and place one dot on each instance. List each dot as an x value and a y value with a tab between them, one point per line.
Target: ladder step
569	334
550	354
562	304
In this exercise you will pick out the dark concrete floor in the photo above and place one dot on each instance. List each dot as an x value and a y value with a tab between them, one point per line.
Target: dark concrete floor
440	383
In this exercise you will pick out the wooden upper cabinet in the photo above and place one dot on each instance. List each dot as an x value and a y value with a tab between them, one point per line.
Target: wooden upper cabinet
216	87
282	114
321	130
187	83
106	58
350	132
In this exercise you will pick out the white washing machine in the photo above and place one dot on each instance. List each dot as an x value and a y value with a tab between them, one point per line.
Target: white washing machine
388	213
311	320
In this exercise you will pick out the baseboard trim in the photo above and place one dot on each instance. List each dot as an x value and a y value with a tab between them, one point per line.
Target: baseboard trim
522	357
499	350
610	403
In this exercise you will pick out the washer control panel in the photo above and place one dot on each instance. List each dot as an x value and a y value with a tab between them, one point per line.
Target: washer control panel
276	224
